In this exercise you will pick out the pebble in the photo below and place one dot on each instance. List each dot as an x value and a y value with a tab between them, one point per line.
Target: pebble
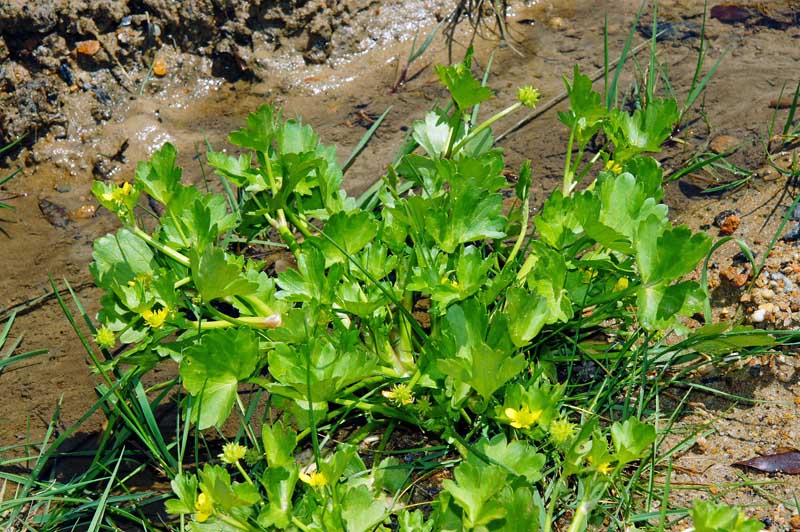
767	173
792	234
728	222
794	522
724	143
557	23
55	214
758	316
90	47
83	212
159	68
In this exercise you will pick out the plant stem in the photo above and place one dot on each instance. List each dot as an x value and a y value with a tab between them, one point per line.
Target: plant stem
475	132
568	173
169	252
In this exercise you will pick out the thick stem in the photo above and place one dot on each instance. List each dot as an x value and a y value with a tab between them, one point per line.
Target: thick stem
169	252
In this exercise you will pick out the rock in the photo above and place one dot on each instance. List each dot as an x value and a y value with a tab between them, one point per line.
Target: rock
728	222
734	276
724	143
767	173
159	68
90	47
792	234
55	214
83	212
556	23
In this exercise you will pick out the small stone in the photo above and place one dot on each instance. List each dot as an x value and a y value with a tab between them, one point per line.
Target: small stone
88	47
767	173
794	522
159	68
758	316
724	143
83	212
556	23
728	222
55	214
734	276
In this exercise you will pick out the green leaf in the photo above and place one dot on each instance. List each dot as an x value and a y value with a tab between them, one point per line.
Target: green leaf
526	313
328	367
715	338
465	89
586	111
185	488
631	439
260	131
660	304
474	362
524	506
361	511
211	371
468	217
413	522
708	516
558	223
518	456
160	177
121	257
475	490
643	131
309	282
279	443
433	133
218	274
668	255
352	231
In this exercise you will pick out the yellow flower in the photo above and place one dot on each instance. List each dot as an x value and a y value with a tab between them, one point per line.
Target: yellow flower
622	284
105	338
561	430
155	319
204	507
528	96
399	394
316	479
522	418
232	452
603	467
119	195
613	166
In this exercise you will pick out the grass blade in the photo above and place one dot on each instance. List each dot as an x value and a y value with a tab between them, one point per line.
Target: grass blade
94	526
611	96
790	119
364	141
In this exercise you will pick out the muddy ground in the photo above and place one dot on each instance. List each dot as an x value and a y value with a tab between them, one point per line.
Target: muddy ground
191	71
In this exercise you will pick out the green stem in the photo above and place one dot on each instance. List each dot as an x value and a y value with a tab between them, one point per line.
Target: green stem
299	524
169	252
244	473
475	132
235	523
256	322
523	231
568	181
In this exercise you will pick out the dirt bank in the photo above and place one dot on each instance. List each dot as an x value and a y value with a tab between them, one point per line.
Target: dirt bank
69	64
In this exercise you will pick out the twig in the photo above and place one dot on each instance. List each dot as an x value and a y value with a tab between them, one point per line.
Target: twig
562	96
29	304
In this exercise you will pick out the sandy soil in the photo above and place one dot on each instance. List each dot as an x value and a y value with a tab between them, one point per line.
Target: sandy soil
54	225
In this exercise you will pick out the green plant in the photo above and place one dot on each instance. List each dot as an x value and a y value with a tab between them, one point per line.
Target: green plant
425	307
